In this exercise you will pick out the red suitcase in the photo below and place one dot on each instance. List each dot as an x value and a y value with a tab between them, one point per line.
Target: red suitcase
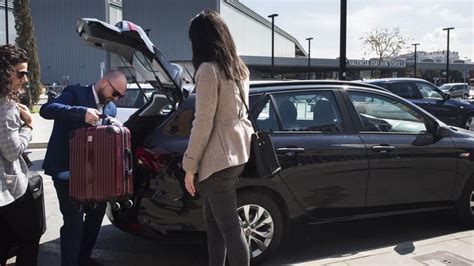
101	165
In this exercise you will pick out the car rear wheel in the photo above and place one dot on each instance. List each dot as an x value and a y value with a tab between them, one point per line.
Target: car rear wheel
465	204
262	223
469	123
465	96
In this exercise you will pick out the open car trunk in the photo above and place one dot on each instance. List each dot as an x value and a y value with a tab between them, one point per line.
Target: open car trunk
151	115
130	42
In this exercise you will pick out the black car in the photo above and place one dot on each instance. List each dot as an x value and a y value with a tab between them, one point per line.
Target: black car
459	113
347	151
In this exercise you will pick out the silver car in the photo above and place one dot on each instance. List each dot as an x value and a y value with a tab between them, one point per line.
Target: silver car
456	90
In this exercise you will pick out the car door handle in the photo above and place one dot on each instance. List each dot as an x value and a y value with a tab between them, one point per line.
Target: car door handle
290	151
382	148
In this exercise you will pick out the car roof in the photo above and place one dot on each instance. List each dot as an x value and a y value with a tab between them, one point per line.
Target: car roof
387	80
262	86
457	83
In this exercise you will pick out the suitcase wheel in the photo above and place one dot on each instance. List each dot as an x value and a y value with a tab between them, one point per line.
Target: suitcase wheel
79	207
128	204
115	206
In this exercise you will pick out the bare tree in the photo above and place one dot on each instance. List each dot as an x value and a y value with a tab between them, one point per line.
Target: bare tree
384	43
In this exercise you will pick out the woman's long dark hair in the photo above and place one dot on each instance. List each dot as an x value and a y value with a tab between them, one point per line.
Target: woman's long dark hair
211	41
10	55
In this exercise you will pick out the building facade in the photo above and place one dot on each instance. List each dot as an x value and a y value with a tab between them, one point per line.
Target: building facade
66	60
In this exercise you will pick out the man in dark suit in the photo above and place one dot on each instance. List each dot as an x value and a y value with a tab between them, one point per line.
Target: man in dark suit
75	108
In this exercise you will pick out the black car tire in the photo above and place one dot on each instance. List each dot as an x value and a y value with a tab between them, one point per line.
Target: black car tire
465	96
468	122
465	204
252	201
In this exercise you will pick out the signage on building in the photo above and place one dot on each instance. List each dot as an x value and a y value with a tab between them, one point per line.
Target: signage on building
375	63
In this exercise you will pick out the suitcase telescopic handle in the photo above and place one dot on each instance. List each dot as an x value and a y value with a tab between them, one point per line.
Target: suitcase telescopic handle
128	171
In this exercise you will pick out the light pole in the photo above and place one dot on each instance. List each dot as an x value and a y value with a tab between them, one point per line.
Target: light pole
447	55
342	43
6	21
309	55
273	41
415	44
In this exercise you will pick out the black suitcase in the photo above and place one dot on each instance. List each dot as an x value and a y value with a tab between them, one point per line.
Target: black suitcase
35	187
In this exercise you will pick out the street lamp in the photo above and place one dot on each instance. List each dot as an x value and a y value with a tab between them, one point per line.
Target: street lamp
273	41
309	55
6	21
415	44
342	42
447	55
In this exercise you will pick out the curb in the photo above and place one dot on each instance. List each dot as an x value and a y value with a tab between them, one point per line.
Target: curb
40	145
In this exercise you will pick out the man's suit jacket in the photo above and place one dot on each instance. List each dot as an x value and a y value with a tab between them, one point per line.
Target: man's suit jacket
68	112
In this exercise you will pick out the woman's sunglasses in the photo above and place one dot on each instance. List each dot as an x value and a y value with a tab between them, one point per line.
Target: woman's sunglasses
116	93
22	74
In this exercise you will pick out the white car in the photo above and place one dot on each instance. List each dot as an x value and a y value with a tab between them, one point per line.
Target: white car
133	100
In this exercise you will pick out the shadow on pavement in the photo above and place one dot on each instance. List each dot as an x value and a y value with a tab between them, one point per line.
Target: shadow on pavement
308	243
115	247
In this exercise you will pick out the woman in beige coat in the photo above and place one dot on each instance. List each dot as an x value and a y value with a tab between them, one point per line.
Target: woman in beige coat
219	145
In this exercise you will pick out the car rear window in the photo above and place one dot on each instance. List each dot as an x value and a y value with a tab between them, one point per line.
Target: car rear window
133	98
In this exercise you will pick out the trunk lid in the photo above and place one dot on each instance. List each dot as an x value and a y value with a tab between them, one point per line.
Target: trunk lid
130	42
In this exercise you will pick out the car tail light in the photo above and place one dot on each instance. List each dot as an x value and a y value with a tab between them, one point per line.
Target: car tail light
131	227
148	159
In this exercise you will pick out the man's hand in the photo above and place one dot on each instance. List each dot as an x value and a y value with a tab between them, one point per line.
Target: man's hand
92	116
25	114
189	183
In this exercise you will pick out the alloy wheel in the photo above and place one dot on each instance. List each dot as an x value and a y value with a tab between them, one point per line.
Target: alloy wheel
258	227
471	202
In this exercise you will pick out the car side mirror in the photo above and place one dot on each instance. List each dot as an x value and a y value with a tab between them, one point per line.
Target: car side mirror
439	132
429	138
447	96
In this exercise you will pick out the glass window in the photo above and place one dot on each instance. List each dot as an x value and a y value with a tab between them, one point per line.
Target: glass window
405	90
264	116
428	91
133	98
115	14
11	25
181	124
309	111
382	114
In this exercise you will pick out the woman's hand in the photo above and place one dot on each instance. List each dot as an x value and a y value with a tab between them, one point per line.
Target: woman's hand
25	114
189	183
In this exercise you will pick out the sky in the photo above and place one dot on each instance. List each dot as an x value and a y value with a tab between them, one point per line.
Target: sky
419	21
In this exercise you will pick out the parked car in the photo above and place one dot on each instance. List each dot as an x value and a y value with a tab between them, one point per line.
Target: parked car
453	112
348	151
135	97
456	90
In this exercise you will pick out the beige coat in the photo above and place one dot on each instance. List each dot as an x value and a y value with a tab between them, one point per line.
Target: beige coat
220	137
